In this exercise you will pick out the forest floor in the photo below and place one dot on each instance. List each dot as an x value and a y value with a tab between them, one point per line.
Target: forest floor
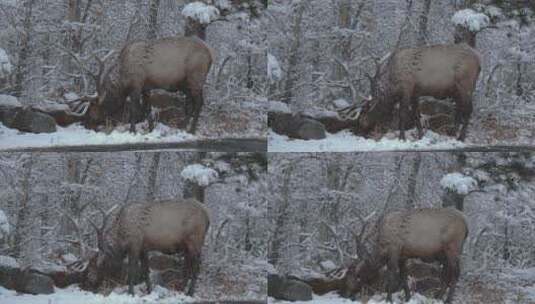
345	141
72	295
162	137
515	286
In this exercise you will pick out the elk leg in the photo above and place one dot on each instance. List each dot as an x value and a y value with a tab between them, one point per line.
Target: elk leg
187	107
146	270
198	101
135	108
146	109
195	266
454	271
392	276
416	115
463	111
132	271
404	279
403	107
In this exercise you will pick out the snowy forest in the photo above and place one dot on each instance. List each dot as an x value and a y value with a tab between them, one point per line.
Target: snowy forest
55	56
325	55
49	203
319	204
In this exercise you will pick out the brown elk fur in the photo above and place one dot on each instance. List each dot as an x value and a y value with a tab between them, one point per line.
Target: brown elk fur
440	71
428	234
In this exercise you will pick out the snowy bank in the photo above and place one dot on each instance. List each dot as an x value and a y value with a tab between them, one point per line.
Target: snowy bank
75	295
77	135
199	174
346	141
333	298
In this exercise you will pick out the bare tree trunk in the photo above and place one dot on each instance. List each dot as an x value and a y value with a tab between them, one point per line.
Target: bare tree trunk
154	5
413	179
24	50
293	59
153	174
422	24
23	211
280	222
344	22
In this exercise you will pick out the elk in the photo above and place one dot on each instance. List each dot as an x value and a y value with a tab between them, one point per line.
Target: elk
169	227
429	234
440	71
171	64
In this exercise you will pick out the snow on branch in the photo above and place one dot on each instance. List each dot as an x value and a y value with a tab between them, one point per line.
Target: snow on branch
199	174
458	183
5	65
471	20
274	68
201	12
4	225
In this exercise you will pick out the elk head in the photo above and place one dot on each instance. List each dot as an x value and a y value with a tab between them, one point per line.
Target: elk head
95	109
100	262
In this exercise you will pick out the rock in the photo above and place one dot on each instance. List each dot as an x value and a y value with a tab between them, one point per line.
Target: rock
310	129
34	283
282	288
296	126
9	272
27	120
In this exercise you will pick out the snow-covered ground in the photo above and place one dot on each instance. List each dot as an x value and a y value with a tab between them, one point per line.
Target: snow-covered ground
76	135
345	141
75	295
333	298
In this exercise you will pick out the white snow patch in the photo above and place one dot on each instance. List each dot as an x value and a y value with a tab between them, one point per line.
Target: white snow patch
340	103
8	100
199	174
458	182
277	106
470	19
50	106
77	135
328	265
318	113
4	225
334	298
70	96
273	68
5	65
223	4
201	12
75	295
7	261
345	141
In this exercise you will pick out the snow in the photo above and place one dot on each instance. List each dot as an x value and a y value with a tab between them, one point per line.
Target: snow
340	103
470	19
345	141
4	225
328	265
459	183
77	135
8	100
7	261
273	68
277	106
223	4
201	12
334	298
5	65
199	174
75	295
70	96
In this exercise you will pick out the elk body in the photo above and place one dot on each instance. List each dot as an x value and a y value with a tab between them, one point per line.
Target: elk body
167	226
172	64
440	71
428	234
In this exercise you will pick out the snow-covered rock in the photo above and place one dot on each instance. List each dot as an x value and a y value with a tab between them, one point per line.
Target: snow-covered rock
273	68
4	225
277	106
201	12
9	101
199	174
458	183
340	103
328	265
5	64
470	19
